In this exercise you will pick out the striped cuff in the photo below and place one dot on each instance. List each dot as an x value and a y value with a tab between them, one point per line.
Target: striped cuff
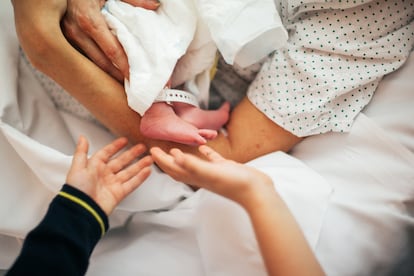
80	198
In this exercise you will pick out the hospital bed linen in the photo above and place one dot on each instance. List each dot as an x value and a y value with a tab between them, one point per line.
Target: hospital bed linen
352	194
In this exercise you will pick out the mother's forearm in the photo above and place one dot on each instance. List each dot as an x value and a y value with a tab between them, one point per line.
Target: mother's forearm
250	133
38	28
40	35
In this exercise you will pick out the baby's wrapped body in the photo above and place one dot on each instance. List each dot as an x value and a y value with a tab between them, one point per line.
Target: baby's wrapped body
319	81
180	49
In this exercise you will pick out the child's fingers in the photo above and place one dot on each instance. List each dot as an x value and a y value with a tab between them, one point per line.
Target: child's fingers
80	157
135	181
126	158
125	174
162	158
135	175
166	162
210	154
192	164
111	149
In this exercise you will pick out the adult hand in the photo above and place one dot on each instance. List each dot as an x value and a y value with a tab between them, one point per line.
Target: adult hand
86	29
225	177
106	178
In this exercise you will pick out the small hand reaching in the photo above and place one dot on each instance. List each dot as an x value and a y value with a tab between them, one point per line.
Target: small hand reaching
107	178
280	238
230	179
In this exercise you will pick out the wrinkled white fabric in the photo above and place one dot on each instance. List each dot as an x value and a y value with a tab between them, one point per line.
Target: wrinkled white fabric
352	193
153	41
243	32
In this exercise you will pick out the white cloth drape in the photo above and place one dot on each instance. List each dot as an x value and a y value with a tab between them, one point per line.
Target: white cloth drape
352	194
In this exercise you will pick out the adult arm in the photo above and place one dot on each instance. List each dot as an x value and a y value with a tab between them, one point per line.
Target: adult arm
250	133
40	35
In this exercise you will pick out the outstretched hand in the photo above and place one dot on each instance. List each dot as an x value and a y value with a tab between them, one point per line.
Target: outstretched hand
107	178
228	178
280	239
85	27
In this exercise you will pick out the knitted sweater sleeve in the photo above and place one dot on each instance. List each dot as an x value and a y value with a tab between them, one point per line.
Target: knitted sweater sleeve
64	240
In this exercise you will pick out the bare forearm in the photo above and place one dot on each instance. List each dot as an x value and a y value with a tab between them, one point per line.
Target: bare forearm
250	133
49	51
283	246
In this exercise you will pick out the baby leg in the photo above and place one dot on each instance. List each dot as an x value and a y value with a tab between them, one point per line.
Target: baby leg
160	122
203	119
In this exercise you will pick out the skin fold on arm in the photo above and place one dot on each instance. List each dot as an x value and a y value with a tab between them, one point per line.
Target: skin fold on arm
250	133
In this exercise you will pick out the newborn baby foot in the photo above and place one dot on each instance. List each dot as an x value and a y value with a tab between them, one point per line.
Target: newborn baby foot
203	119
162	123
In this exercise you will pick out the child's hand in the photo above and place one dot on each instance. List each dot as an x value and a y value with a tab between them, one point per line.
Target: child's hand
230	179
107	179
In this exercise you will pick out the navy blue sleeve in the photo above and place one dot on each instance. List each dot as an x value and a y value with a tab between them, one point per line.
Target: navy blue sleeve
64	240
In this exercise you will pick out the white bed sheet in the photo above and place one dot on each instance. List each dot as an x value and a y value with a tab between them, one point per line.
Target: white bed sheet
351	193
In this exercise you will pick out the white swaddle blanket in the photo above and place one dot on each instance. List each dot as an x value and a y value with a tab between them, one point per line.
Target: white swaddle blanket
154	41
352	194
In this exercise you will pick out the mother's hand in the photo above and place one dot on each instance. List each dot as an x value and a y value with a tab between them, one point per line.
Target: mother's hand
249	132
86	29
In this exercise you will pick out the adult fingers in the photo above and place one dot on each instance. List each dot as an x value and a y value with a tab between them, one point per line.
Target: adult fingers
99	31
146	4
89	48
98	56
90	34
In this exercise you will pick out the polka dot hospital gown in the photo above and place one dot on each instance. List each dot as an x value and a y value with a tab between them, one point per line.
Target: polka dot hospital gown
337	53
62	99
